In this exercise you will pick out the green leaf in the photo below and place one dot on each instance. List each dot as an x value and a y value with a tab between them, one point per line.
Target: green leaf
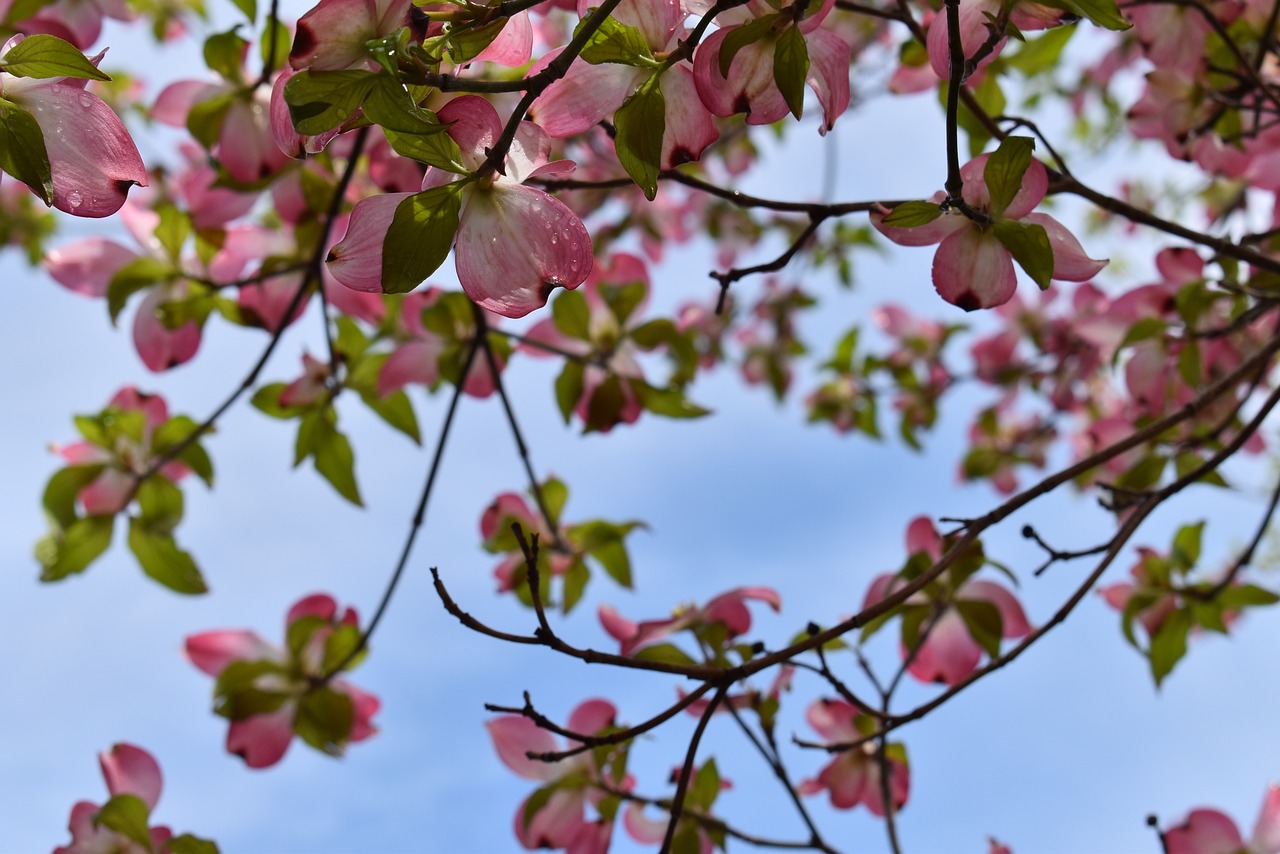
173	230
1238	596
1042	53
160	504
1028	243
791	68
982	619
616	42
1104	13
1004	171
605	405
249	8
45	56
162	560
1188	461
554	495
569	386
396	410
571	315
604	541
705	787
324	720
1186	545
174	432
267	401
739	37
275	35
223	53
575	582
434	149
912	214
465	43
389	104
320	101
69	551
1169	644
63	488
668	402
141	272
22	150
186	843
420	237
537	801
341	643
641	123
666	653
204	120
236	694
333	456
623	299
128	816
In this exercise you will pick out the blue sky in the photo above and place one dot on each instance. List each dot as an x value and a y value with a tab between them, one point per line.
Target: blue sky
1067	750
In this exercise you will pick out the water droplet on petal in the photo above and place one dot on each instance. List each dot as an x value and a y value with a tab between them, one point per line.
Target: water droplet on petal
74	199
86	100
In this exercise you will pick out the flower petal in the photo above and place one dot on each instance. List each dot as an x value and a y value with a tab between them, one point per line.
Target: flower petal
513	737
515	245
261	740
213	651
973	270
1069	261
356	261
130	770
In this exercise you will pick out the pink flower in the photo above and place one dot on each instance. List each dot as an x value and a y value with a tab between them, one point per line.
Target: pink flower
561	821
854	776
972	268
92	158
128	770
750	87
514	245
274	694
1207	831
728	609
975	17
949	651
127	456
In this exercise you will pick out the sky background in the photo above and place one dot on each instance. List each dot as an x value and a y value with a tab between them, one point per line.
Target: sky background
1066	750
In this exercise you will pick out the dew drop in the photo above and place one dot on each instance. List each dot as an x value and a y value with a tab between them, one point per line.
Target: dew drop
74	199
86	100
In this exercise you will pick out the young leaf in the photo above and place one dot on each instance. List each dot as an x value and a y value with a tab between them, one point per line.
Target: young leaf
791	68
912	214
1104	13
571	315
44	56
128	816
641	123
67	552
1005	169
320	101
569	386
619	43
420	237
1028	243
161	559
22	150
739	37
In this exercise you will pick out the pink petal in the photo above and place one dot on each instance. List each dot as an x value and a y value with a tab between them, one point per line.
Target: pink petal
1069	261
689	125
585	96
829	57
833	719
1035	183
213	651
86	266
1266	833
91	155
948	654
319	605
556	824
647	831
1204	832
261	740
515	245
973	270
160	347
504	509
108	494
513	737
365	706
412	362
619	627
513	46
847	778
475	127
922	536
332	35
748	89
1013	618
130	770
591	716
899	786
356	261
973	32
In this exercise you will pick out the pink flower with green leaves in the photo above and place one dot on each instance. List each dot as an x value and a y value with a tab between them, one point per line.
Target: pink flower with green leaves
973	267
854	776
555	815
271	694
514	243
92	161
1208	831
728	610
